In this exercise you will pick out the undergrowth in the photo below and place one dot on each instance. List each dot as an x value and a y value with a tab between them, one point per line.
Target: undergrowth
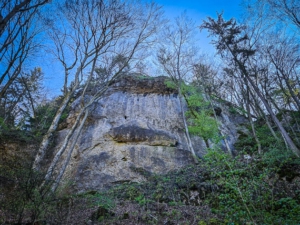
261	189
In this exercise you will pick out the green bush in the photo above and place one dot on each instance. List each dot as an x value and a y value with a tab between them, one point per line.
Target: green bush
248	191
23	200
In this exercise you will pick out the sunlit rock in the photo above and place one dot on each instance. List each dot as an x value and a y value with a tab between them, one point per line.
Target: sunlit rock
136	128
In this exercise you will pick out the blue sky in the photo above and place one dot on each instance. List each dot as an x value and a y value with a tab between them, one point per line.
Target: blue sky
198	10
202	8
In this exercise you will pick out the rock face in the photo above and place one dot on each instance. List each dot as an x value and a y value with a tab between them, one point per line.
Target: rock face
136	128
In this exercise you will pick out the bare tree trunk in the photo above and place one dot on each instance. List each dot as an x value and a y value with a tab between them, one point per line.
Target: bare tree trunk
253	129
73	129
236	44
216	118
18	8
290	90
67	160
284	133
285	119
176	59
144	29
48	136
250	119
189	142
260	111
63	146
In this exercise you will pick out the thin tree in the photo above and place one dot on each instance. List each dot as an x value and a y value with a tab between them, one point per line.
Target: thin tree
176	57
204	76
284	56
106	34
9	9
232	44
19	28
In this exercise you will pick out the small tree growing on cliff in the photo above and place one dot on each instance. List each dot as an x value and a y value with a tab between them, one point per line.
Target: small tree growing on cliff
176	56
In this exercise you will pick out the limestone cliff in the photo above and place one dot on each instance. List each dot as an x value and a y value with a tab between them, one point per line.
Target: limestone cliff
136	127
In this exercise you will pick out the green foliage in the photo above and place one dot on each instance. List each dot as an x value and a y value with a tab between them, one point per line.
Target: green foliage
161	188
31	129
42	121
37	126
141	76
142	200
23	199
3	126
246	143
100	200
170	84
249	192
277	157
237	110
238	191
203	126
269	144
44	115
200	115
13	133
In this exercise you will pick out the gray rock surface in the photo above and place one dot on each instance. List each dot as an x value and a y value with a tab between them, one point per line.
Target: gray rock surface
136	126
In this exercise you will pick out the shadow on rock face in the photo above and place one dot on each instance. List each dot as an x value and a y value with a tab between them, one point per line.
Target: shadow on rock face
134	133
